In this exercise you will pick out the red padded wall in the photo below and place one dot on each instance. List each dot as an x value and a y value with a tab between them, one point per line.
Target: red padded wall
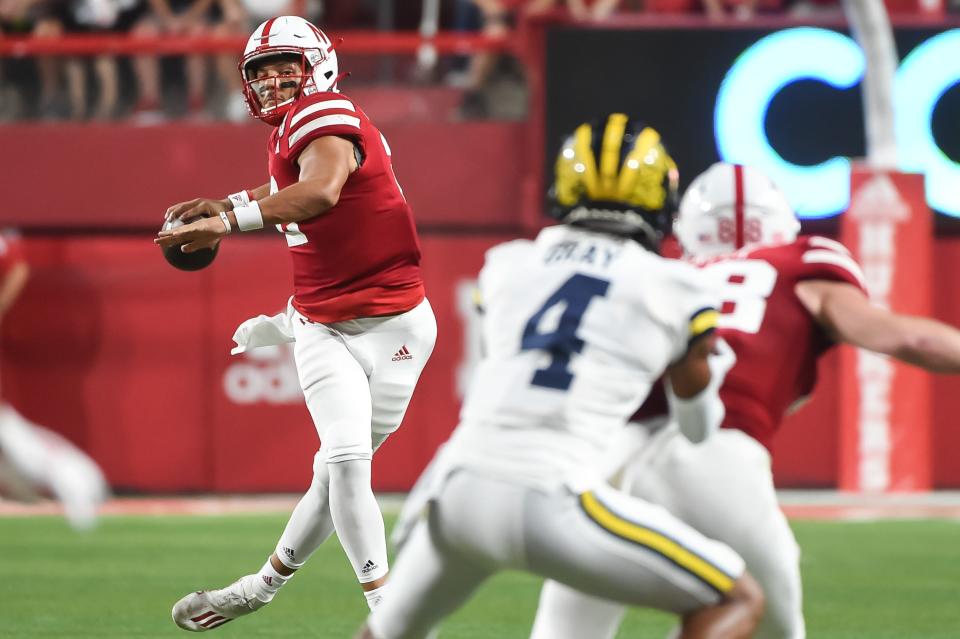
130	358
110	176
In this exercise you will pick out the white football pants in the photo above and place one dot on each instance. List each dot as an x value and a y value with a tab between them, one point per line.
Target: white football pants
723	488
34	459
602	541
357	377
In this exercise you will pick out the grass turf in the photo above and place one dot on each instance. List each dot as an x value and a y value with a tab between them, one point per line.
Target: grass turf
895	580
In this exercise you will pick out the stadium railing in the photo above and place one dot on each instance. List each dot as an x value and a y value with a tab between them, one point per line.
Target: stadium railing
365	42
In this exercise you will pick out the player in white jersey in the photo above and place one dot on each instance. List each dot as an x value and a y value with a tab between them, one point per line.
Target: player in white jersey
787	300
578	325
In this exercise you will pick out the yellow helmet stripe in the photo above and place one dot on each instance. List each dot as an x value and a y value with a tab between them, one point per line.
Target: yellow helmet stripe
610	155
645	142
682	557
582	138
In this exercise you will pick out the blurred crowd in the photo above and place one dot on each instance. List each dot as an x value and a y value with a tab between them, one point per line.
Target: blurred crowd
496	18
147	89
81	88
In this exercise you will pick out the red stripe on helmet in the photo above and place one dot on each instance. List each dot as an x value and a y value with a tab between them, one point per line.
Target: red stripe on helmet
738	204
265	35
318	33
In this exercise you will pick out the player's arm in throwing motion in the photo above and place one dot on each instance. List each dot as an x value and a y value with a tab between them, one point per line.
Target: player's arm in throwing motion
847	315
325	165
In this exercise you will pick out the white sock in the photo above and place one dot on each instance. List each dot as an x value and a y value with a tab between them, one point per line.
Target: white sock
267	582
357	518
374	597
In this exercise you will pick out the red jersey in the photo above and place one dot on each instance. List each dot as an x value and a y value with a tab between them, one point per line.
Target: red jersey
11	253
360	258
776	340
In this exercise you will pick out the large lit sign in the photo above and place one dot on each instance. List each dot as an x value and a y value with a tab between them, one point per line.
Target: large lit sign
924	76
777	60
755	79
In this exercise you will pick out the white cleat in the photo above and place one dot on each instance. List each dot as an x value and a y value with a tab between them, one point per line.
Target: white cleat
208	609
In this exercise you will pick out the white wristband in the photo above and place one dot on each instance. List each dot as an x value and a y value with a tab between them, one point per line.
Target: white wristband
226	222
239	199
249	218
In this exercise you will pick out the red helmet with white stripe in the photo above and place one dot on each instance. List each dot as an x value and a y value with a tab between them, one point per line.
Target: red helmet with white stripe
730	206
288	36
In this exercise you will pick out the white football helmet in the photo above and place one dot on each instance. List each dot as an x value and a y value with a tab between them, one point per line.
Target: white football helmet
289	35
730	206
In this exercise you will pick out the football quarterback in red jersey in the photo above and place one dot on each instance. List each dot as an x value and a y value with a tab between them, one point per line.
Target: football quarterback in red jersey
787	300
358	299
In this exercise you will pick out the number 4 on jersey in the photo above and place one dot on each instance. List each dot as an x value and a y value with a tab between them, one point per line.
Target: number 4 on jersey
562	342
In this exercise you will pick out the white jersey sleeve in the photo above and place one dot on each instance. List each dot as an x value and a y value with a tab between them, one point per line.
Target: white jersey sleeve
695	306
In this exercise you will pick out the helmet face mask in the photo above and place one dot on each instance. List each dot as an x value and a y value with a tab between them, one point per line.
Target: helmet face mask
730	207
615	177
287	38
280	78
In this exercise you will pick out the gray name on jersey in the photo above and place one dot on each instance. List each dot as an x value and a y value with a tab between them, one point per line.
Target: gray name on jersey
580	253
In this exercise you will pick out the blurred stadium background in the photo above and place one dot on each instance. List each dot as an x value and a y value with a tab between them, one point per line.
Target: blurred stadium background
129	359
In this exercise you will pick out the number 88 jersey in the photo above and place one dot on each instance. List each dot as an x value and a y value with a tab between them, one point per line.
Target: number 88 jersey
776	341
577	326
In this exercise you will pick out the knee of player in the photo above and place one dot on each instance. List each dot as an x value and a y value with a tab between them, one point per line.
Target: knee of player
747	592
320	471
355	458
349	477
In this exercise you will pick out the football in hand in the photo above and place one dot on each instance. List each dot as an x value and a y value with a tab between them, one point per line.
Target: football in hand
187	261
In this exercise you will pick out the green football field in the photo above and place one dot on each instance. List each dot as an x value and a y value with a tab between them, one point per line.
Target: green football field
892	579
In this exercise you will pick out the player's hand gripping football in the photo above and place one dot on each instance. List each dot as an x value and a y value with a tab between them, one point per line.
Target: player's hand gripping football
204	233
199	207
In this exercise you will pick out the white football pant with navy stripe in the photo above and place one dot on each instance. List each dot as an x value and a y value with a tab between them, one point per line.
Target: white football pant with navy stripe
722	487
601	541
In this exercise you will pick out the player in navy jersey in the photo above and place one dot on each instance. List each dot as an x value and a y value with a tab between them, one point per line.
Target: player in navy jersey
358	299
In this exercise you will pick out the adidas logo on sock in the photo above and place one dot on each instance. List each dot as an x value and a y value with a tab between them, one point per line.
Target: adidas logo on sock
403	353
267	579
368	567
289	553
